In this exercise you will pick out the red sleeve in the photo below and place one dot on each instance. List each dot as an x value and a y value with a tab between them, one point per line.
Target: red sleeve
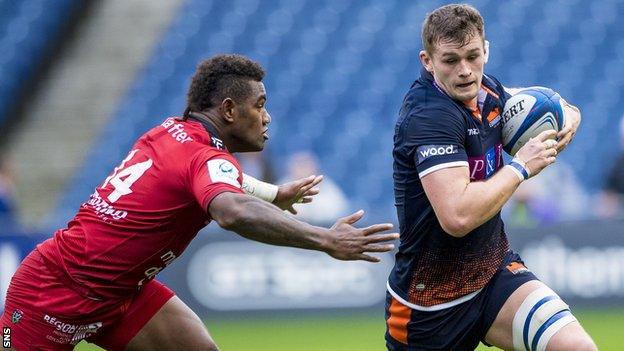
213	172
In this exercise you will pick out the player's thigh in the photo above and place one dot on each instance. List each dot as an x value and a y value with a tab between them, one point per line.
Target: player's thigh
532	313
174	327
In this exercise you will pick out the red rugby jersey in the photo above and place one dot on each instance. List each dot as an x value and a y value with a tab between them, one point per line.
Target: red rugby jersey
146	212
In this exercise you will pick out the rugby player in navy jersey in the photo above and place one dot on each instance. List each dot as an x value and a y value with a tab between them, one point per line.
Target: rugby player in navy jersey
95	281
455	281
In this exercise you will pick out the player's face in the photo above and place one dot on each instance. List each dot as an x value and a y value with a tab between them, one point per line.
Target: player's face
457	69
253	120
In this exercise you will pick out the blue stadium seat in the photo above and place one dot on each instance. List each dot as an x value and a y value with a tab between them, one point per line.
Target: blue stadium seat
27	28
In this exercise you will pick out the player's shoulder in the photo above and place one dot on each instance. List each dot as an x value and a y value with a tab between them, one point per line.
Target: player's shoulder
428	111
181	141
205	153
180	136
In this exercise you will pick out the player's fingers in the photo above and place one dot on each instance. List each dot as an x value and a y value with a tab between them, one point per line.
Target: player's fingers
379	248
572	114
547	134
317	180
352	218
311	182
304	199
309	179
376	228
302	182
551	152
562	133
564	142
565	138
550	143
365	257
292	210
382	238
308	190
311	191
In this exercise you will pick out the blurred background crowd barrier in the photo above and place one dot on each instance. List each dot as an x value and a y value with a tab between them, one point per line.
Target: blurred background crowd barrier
80	80
583	261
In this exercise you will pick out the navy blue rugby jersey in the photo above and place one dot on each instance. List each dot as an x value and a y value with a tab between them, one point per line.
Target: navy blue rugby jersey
434	270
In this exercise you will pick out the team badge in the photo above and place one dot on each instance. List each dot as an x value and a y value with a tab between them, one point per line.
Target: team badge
17	315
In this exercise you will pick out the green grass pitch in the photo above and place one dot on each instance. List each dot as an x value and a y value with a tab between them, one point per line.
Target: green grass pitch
361	332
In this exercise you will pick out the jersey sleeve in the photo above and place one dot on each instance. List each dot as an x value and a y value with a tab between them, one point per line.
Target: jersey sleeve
212	173
436	138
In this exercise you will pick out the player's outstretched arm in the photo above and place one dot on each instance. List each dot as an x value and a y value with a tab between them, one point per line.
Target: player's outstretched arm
286	195
261	221
461	205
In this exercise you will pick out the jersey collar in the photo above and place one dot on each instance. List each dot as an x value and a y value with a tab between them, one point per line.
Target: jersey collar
215	140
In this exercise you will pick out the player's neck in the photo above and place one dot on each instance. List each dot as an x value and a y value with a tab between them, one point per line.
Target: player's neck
209	117
472	104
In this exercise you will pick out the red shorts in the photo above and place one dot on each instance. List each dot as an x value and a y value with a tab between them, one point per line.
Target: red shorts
45	314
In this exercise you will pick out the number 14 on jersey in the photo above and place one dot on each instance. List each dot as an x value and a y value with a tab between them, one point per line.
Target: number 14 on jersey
123	177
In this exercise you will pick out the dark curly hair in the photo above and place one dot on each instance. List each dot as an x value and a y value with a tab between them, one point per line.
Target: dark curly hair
220	77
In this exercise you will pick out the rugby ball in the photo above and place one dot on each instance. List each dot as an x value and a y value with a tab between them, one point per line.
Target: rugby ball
528	113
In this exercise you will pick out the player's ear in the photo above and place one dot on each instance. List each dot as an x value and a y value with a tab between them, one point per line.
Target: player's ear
227	108
425	59
486	51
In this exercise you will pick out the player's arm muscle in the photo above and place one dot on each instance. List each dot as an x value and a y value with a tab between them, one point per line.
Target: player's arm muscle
258	220
461	205
261	221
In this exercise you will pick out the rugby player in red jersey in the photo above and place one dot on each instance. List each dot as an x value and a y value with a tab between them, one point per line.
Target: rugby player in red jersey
95	279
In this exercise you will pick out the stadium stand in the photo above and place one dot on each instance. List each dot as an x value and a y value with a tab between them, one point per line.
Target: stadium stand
77	95
338	70
29	29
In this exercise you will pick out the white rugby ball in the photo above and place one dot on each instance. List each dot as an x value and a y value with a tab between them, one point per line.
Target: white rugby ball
528	113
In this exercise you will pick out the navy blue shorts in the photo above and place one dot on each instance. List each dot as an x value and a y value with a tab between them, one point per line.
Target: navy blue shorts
460	327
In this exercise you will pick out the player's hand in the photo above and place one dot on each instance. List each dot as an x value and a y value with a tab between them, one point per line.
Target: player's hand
539	152
300	190
572	121
349	243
